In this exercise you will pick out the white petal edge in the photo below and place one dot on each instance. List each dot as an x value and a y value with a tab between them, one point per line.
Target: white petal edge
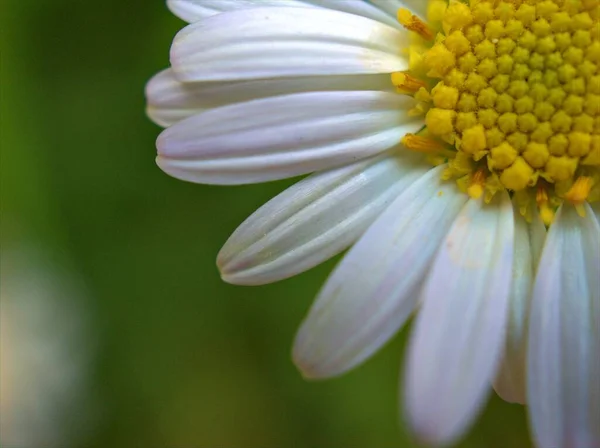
564	339
510	383
459	333
170	100
314	219
417	7
596	209
195	10
373	290
284	136
280	42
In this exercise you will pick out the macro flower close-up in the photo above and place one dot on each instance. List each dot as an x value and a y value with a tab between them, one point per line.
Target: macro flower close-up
450	149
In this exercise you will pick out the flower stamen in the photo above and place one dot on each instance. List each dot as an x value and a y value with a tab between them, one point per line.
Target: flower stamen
406	83
516	91
580	190
412	23
543	203
426	145
477	186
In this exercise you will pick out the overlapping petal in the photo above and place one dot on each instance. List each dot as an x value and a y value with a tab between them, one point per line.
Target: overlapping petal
280	42
459	333
596	209
284	136
418	7
315	219
564	341
170	100
194	10
374	289
511	380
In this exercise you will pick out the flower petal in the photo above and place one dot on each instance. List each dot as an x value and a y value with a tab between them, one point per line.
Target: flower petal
284	136
372	291
281	42
418	7
564	340
511	380
170	100
459	332
596	209
195	10
314	220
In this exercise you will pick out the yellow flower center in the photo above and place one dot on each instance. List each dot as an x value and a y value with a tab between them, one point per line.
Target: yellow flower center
515	90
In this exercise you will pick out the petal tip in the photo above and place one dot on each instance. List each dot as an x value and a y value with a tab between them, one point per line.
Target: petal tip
308	370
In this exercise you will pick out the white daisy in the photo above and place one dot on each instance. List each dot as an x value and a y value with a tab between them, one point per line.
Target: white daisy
444	139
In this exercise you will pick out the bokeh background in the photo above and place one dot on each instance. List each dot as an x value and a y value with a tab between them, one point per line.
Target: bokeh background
164	354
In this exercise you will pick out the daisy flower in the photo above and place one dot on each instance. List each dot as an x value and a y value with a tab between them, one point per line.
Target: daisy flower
452	147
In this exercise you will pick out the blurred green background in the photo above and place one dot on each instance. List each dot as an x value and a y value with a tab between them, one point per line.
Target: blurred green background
181	359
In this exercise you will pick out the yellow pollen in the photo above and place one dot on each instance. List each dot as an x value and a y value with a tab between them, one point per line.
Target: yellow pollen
404	82
411	22
517	94
426	145
546	212
580	190
477	186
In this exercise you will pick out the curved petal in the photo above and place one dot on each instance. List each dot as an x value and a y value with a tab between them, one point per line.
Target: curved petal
280	42
564	339
372	291
459	332
170	100
195	10
314	220
284	136
511	379
418	7
596	209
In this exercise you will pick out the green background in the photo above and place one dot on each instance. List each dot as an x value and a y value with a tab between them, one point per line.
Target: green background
182	360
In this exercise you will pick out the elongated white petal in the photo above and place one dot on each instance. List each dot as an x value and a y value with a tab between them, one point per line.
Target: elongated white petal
511	380
314	220
564	340
459	333
170	100
283	136
362	8
596	209
281	42
374	289
418	7
194	10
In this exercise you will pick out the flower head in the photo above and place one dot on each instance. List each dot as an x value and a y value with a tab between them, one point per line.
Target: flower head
444	139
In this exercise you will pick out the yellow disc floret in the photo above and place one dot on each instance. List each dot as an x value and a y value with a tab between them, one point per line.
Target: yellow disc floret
517	93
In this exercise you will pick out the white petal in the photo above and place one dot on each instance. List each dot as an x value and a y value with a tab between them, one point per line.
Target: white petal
564	340
596	209
511	380
281	42
283	136
314	220
372	291
195	10
418	7
362	8
459	332
170	100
